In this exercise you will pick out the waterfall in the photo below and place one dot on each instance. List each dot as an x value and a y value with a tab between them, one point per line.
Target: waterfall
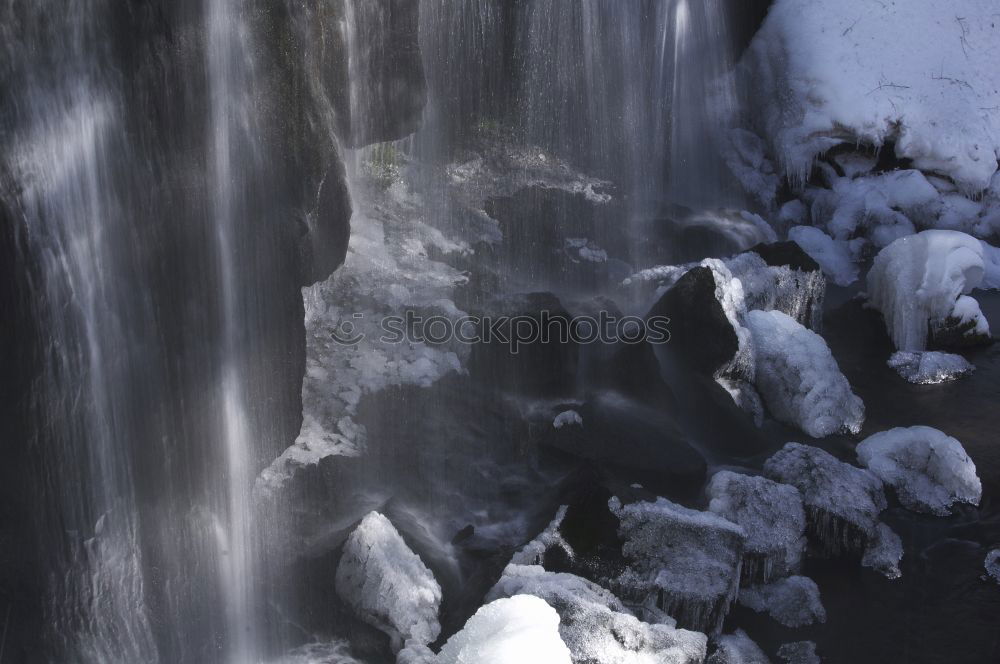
234	160
65	149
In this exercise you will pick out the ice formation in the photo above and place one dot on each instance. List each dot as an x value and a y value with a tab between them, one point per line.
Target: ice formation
929	469
595	625
533	553
883	552
920	283
685	562
567	417
387	585
516	630
851	72
799	379
793	601
929	367
797	293
842	502
771	515
992	564
799	652
737	648
837	258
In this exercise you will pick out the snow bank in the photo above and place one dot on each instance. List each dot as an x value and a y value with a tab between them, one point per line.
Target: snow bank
683	561
799	652
595	625
928	468
992	564
883	553
919	282
518	630
567	417
737	648
929	367
842	501
799	378
793	602
853	71
771	515
837	258
387	585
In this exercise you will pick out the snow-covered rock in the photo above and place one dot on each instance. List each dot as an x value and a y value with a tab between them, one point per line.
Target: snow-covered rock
566	418
595	625
793	601
920	283
387	585
842	502
883	552
799	378
516	630
799	652
992	564
929	469
771	515
929	367
737	648
682	561
824	74
837	258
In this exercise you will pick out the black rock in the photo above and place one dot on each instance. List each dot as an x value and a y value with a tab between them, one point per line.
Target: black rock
787	253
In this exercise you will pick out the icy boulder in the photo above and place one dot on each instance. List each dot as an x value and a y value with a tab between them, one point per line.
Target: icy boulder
992	564
928	468
842	502
929	367
883	553
781	277
920	284
387	585
595	625
793	602
837	258
517	630
684	562
771	515
828	73
737	648
799	378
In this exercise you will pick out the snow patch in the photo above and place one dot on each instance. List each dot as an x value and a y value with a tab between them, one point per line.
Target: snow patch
737	648
567	418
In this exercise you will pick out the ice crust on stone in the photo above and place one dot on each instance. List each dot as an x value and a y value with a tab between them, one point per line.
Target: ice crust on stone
929	367
737	648
516	630
567	418
884	551
794	292
533	553
842	502
922	281
331	652
799	652
837	258
387	585
793	601
992	564
824	74
799	379
595	625
771	515
681	561
929	469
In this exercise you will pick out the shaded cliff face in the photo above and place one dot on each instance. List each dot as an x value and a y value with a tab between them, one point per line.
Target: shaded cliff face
129	131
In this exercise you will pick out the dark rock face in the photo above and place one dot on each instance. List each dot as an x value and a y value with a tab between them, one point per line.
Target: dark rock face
700	333
542	365
787	253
